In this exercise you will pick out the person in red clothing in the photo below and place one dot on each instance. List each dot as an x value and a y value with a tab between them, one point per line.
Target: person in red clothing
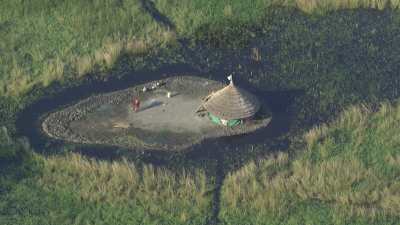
135	104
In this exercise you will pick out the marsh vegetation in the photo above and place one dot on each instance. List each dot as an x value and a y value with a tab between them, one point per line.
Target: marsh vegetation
347	174
71	189
340	57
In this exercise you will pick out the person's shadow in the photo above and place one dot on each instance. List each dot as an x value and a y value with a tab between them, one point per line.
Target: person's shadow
149	104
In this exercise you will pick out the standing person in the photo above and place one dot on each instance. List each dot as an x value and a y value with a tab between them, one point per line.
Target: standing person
135	104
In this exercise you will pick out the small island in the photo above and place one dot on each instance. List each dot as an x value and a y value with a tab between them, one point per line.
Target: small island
174	114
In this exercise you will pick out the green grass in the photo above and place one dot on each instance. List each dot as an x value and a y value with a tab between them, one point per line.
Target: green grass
328	5
73	190
42	41
347	174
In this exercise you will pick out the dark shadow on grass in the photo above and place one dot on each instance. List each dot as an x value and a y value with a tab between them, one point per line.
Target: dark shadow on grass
186	51
150	8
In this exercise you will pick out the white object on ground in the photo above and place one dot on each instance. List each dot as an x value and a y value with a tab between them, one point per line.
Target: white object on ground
230	78
224	122
168	94
144	89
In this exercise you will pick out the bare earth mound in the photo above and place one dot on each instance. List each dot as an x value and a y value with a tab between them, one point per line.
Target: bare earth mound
162	123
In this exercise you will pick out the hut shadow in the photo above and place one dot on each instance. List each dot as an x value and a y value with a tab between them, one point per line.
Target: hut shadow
150	104
280	104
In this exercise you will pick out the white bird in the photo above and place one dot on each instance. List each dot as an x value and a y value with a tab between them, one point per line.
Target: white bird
230	78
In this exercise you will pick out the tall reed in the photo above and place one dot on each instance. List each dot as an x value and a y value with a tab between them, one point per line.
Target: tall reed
161	195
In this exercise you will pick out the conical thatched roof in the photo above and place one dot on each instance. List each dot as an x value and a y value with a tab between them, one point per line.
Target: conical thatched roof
232	102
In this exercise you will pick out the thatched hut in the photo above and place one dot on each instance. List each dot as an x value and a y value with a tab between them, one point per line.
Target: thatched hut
230	105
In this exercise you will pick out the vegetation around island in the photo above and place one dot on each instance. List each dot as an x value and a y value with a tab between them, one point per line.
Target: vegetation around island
339	54
348	173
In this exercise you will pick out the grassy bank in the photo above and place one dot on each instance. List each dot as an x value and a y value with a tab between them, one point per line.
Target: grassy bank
73	190
329	5
43	41
347	174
